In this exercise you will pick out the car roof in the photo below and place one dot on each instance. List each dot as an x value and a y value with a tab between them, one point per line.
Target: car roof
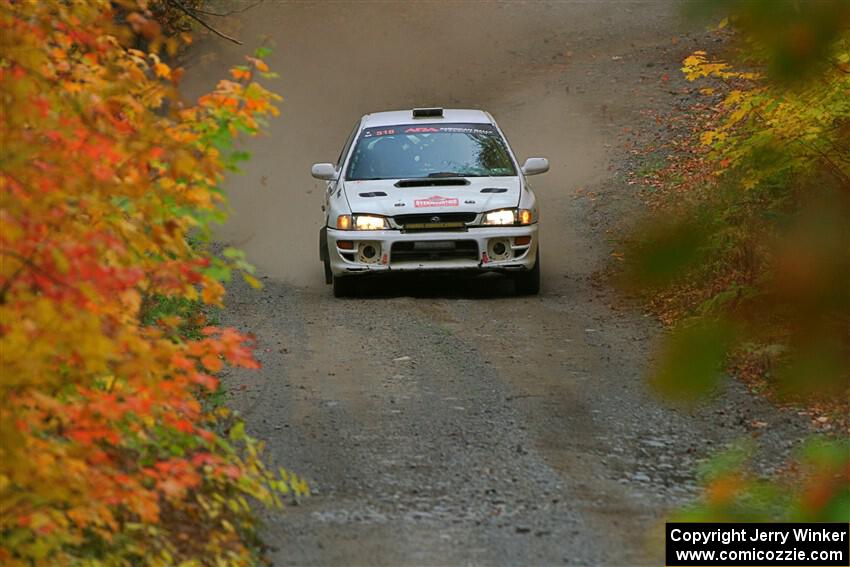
450	115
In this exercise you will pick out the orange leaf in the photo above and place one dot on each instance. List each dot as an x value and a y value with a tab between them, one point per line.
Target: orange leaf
212	363
162	70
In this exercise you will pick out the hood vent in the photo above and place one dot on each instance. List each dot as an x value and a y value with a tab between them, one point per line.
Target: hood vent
373	194
494	190
432	182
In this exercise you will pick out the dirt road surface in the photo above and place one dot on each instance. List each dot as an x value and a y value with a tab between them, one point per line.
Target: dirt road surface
442	422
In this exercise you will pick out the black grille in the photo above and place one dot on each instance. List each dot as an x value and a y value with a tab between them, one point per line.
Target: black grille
431	218
434	251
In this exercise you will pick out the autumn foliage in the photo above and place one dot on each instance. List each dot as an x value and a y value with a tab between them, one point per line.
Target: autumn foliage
747	254
109	446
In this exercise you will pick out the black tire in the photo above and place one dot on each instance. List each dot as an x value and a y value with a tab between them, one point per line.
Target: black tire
345	287
528	282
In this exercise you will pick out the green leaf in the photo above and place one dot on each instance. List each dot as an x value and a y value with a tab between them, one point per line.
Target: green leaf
240	156
665	250
233	253
219	271
690	364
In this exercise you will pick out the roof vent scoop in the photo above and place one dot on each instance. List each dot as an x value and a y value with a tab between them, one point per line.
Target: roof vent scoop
427	112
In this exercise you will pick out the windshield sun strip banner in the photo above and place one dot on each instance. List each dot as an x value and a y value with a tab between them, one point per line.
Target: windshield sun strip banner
405	129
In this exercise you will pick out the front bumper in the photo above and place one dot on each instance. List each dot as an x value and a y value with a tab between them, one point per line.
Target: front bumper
485	249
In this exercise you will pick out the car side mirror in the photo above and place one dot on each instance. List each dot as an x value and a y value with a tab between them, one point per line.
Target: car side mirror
535	165
325	171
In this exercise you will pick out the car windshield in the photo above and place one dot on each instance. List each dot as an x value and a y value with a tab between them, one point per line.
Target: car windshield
414	151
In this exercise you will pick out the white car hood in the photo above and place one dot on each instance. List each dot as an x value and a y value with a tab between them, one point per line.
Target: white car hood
431	199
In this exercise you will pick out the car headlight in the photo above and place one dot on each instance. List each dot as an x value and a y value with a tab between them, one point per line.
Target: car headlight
361	222
370	222
500	217
504	217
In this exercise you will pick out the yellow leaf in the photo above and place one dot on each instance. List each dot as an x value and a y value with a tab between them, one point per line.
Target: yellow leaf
162	70
736	116
252	281
212	293
60	260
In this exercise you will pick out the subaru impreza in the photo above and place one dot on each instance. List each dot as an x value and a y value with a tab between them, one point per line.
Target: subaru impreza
429	190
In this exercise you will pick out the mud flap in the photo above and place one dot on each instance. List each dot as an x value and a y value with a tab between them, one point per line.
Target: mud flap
323	244
324	257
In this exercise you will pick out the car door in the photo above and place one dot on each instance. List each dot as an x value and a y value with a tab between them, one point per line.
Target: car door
332	185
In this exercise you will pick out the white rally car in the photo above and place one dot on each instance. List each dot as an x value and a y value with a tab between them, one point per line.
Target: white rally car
429	190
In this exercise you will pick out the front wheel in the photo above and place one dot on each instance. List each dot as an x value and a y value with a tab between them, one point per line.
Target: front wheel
344	287
528	282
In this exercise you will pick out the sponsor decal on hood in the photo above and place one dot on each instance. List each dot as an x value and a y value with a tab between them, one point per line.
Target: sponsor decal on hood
435	201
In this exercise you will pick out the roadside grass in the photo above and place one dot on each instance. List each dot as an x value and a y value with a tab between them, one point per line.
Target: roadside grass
651	165
193	314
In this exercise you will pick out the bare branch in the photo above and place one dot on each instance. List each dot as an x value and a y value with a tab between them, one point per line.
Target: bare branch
27	262
191	13
230	13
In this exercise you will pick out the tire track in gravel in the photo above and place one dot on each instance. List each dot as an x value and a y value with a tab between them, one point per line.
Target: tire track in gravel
445	468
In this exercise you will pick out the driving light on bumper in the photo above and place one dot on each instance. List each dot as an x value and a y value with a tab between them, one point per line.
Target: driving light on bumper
504	217
361	222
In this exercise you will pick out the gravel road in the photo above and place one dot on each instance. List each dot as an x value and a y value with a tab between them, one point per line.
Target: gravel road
445	422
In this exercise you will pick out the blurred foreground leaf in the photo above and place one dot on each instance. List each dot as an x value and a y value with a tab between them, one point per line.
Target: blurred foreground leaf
815	488
664	250
691	361
746	252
